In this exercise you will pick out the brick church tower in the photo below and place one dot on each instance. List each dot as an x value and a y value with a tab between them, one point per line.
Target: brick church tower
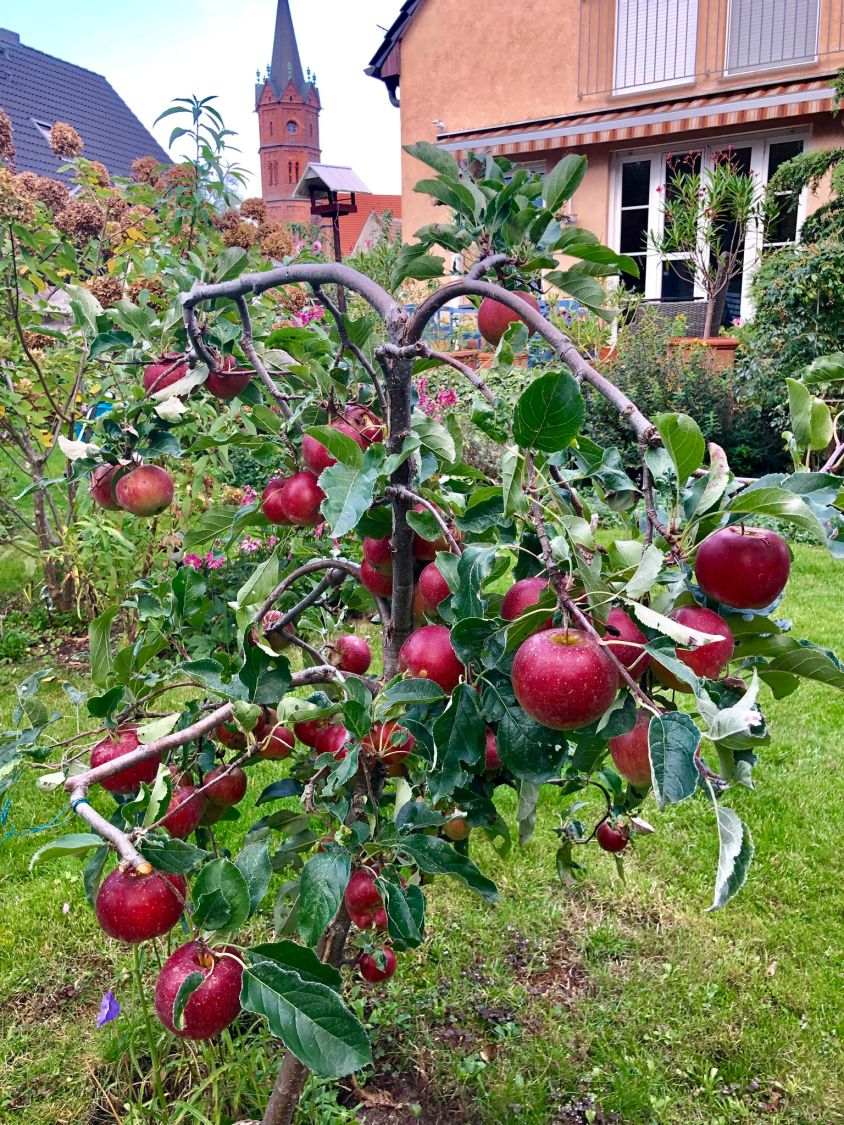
288	110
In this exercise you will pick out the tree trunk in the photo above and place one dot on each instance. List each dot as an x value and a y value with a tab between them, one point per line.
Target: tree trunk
59	583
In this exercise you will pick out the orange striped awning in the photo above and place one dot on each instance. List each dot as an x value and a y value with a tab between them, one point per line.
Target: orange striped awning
683	115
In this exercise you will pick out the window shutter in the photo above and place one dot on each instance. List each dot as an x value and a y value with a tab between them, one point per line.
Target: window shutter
655	42
771	32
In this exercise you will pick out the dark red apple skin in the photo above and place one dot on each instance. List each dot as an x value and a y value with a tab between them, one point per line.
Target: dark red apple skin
427	654
225	786
133	907
300	498
276	741
273	509
370	970
622	627
183	812
378	554
316	456
494	318
102	486
145	491
629	752
124	741
743	567
378	584
332	740
214	1005
364	902
227	384
522	596
169	369
272	485
709	660
277	639
308	730
367	424
352	654
611	839
433	588
231	736
493	760
389	742
563	679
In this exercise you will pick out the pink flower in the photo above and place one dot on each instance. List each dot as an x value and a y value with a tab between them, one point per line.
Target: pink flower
271	542
248	544
317	246
249	495
447	398
214	562
193	561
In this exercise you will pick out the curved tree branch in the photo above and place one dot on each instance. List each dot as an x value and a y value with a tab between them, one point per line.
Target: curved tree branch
348	345
487	265
248	345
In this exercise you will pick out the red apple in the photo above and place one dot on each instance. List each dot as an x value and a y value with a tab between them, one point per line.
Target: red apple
277	639
351	654
363	901
457	829
423	548
227	383
132	907
494	318
102	486
124	741
317	457
231	735
522	596
332	740
145	491
433	588
630	752
370	427
612	839
273	485
427	654
708	660
308	730
275	741
389	742
226	786
744	567
370	969
378	584
622	627
493	760
184	811
378	554
215	1004
166	371
563	679
300	498
273	508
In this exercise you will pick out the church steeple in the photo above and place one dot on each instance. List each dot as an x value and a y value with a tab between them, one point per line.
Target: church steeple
286	65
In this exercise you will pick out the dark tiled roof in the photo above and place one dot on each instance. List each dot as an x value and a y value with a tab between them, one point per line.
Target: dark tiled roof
37	87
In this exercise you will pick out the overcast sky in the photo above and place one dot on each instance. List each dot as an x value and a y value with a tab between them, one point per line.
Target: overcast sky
160	49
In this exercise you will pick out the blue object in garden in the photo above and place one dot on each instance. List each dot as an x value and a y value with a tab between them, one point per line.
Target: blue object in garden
83	431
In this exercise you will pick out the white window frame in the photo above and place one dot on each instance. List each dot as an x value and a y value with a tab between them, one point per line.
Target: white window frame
760	145
758	68
665	83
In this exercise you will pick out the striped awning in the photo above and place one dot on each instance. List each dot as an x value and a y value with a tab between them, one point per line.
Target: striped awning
683	115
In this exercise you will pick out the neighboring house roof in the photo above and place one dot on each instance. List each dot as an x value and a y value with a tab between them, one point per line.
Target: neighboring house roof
329	177
356	228
39	89
385	64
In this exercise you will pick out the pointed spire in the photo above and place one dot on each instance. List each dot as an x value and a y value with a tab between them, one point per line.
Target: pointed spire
286	65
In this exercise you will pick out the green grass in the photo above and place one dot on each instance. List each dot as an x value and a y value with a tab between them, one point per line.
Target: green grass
622	999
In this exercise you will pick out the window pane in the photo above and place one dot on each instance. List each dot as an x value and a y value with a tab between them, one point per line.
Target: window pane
783	227
635	183
771	32
677	281
634	230
637	284
780	152
679	164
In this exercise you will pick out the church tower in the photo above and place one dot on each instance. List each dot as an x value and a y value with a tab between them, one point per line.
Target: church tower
288	107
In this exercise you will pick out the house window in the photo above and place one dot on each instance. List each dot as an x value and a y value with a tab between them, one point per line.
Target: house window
292	128
655	43
297	171
769	33
43	127
290	171
641	178
271	126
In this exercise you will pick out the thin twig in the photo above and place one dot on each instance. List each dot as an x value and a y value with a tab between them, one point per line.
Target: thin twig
347	344
414	497
469	373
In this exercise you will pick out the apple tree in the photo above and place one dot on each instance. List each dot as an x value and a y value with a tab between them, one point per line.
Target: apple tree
521	645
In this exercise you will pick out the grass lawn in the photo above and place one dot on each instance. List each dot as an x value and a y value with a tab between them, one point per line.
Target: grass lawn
616	1002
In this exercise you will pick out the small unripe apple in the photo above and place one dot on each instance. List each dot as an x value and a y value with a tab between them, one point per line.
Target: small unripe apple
215	1004
493	760
166	371
123	741
145	491
351	654
378	584
622	628
630	751
612	839
708	660
308	730
744	567
226	786
427	654
184	811
370	969
494	318
378	554
522	596
316	456
457	829
563	679
300	498
389	742
132	907
102	486
433	588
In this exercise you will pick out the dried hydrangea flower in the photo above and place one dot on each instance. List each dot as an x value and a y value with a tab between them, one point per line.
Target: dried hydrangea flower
275	241
7	148
80	220
52	193
243	234
65	141
108	290
145	169
16	205
254	208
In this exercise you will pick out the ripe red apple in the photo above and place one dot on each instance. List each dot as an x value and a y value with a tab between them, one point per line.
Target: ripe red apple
308	730
300	498
225	786
494	318
275	741
493	760
272	485
378	584
423	548
351	654
389	742
166	371
563	679
277	639
522	596
377	553
370	427
116	745
612	839
214	1005
184	811
744	567
630	751
272	504
370	969
316	456
433	588
427	654
332	740
231	736
622	627
132	907
102	486
364	902
145	491
710	659
457	829
227	383
417	608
